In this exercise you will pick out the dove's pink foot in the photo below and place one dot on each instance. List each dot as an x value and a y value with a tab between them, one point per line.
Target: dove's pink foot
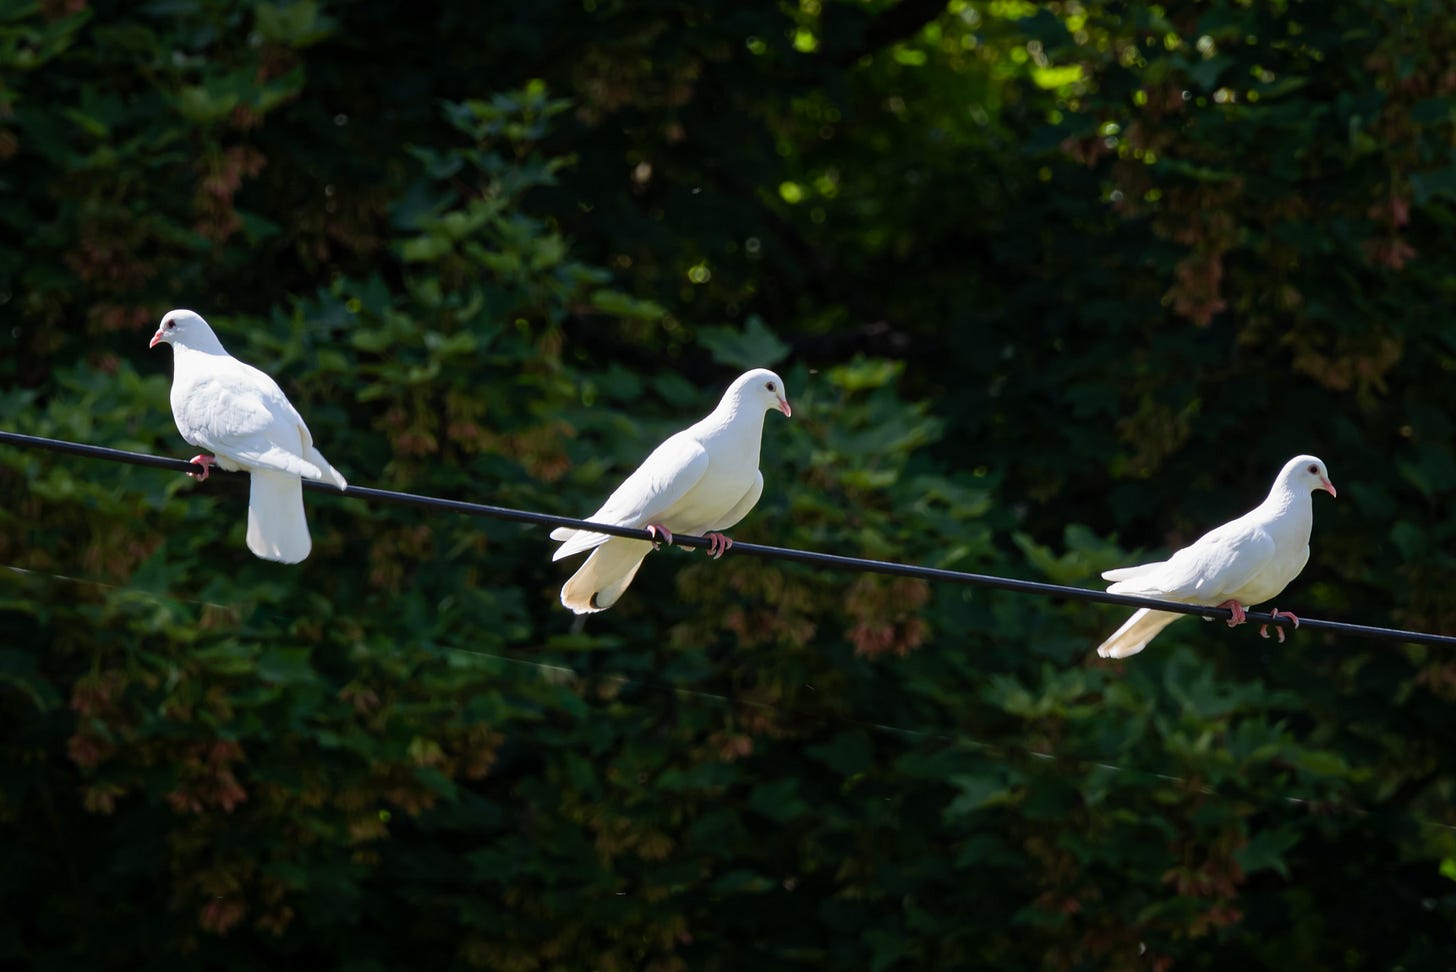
660	534
206	463
1238	611
718	544
1264	628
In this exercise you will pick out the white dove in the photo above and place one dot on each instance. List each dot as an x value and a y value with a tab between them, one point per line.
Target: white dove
241	415
1245	561
702	480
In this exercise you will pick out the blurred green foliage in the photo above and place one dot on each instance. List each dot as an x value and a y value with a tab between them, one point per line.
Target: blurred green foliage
1052	287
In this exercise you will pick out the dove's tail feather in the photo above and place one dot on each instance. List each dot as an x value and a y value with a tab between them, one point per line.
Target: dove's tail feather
1135	634
277	529
601	580
575	541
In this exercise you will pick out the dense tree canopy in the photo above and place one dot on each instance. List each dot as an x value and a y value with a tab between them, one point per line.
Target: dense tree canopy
1052	286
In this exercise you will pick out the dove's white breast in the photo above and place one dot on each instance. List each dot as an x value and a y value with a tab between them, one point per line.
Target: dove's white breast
733	454
1289	529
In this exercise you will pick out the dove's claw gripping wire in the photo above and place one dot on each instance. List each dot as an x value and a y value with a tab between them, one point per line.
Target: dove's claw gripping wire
206	463
1238	611
718	544
1264	628
660	535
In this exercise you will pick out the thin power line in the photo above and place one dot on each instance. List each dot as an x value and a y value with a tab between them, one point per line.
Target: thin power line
741	548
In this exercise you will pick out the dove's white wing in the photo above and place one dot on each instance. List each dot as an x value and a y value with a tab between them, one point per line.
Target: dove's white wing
1210	569
647	496
1129	573
246	422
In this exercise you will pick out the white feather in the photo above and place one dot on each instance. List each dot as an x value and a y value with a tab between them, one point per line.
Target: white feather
242	417
277	529
1136	632
704	478
1248	560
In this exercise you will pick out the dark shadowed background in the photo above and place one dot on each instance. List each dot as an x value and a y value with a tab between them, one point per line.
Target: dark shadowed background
1053	287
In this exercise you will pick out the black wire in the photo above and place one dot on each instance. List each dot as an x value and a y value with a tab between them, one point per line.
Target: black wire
758	550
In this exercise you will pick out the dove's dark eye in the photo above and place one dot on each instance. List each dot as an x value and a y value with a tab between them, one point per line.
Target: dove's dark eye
171	325
1314	470
770	386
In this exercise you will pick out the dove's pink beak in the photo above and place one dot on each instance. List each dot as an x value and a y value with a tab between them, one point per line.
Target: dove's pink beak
156	339
1328	487
784	407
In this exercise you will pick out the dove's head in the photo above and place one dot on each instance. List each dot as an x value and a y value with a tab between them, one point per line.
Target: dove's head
183	328
760	385
1306	472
